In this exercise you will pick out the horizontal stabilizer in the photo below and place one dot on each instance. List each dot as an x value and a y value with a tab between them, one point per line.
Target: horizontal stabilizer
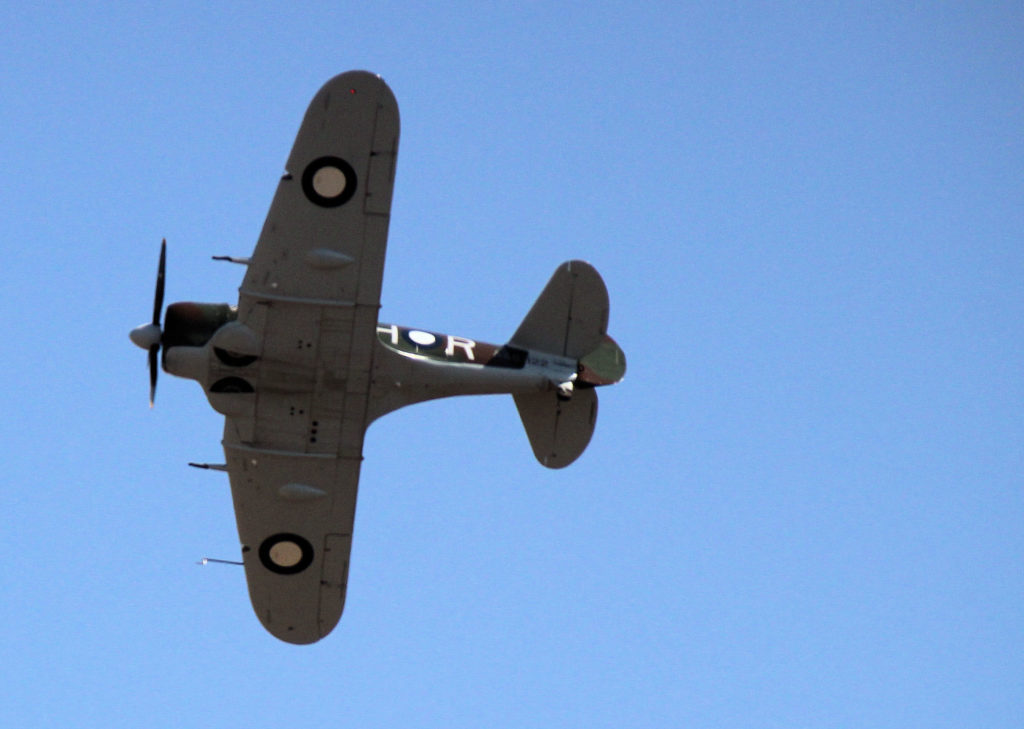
559	430
570	316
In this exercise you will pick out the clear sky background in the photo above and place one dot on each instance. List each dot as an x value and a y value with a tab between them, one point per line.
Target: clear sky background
802	508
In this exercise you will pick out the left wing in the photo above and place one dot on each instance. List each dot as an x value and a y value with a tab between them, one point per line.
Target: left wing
295	514
299	360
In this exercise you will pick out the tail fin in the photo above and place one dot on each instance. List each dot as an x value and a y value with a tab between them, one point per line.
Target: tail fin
570	316
569	319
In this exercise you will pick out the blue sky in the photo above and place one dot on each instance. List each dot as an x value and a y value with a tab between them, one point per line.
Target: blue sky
803	506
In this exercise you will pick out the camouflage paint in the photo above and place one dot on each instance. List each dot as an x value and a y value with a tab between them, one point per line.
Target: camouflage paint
606	365
193	325
448	348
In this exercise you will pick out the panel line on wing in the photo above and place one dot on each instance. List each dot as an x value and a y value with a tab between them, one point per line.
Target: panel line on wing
275	452
262	295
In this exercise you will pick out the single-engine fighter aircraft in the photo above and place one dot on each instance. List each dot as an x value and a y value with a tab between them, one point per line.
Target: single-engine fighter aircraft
301	367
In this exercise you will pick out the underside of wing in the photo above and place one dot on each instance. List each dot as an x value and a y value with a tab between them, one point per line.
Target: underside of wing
296	365
326	232
295	515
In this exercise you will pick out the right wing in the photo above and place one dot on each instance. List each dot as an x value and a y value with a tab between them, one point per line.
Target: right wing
326	232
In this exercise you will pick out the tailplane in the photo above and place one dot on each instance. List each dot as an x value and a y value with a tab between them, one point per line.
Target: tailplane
570	316
569	320
559	430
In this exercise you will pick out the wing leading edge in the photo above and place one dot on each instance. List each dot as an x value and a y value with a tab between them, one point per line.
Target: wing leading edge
301	357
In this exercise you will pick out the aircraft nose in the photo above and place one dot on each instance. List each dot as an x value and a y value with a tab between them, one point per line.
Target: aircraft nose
145	335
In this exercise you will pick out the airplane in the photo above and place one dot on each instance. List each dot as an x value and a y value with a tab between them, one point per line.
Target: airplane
301	366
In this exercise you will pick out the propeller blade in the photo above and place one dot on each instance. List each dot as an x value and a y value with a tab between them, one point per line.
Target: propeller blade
149	336
158	301
152	372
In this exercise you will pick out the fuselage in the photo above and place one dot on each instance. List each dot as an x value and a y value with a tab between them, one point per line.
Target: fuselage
206	343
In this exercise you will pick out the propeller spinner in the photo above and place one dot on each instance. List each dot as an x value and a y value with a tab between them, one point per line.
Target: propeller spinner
148	336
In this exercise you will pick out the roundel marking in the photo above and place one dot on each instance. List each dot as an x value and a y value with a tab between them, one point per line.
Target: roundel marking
422	339
286	554
329	182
